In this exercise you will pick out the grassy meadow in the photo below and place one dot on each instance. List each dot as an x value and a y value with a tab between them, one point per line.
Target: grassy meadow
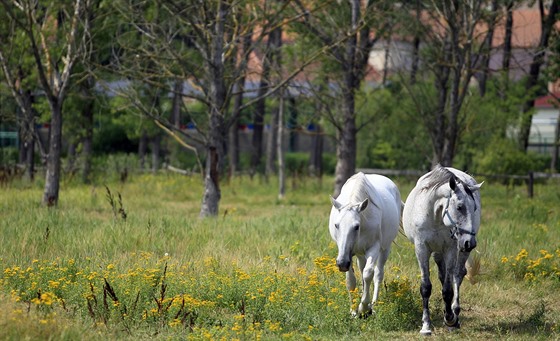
134	261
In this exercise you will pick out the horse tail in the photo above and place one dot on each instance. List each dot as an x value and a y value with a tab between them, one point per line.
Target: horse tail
401	226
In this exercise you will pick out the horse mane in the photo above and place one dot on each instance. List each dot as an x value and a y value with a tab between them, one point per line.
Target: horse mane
438	177
359	190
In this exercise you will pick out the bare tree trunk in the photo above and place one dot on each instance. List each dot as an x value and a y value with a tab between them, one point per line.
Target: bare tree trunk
29	136
386	61
272	144
52	177
87	148
415	47
507	37
547	24
175	119
71	157
316	155
452	131
87	140
156	152
212	193
217	133
486	51
346	146
27	141
437	132
258	124
260	106
30	161
280	149
142	147
293	136
177	100
233	151
233	147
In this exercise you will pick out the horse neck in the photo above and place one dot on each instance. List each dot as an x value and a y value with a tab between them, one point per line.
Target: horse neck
359	191
437	198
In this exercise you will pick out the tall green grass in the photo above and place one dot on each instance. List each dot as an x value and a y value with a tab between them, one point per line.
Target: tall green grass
262	269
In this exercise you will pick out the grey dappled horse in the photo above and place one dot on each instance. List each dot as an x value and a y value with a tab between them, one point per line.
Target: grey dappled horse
364	221
441	217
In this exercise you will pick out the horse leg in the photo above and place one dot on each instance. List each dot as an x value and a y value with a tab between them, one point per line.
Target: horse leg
423	256
368	270
446	268
379	273
438	258
351	286
458	275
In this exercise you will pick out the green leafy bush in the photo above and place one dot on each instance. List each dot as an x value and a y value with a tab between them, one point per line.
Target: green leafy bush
297	163
8	155
503	157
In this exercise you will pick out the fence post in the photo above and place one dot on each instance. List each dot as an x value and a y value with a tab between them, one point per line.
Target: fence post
530	183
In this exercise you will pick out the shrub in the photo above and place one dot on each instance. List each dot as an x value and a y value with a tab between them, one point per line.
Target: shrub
297	163
503	157
8	155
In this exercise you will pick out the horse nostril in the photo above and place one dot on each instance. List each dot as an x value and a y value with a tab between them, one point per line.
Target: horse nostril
467	245
343	266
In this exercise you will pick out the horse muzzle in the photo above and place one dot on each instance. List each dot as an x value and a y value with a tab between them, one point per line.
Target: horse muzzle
343	265
467	244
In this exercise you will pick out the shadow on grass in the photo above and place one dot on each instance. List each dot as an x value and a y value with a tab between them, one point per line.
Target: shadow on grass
530	323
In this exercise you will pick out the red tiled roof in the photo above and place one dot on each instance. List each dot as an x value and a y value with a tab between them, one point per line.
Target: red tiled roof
548	101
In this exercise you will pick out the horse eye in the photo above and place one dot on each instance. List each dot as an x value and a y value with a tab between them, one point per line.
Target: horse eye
357	227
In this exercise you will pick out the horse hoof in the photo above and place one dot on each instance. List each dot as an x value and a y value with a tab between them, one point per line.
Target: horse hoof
454	323
366	314
451	327
425	332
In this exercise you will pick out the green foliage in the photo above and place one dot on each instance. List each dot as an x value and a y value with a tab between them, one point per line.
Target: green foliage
502	156
329	163
9	155
297	163
395	138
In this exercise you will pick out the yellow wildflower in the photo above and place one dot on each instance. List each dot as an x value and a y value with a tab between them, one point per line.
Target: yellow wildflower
522	254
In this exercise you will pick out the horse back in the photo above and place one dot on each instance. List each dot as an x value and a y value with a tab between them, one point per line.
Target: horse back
387	199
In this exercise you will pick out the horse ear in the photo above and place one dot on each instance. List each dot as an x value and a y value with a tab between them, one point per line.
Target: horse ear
476	187
363	205
452	183
335	203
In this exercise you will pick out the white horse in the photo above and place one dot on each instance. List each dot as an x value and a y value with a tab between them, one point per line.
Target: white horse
441	217
364	221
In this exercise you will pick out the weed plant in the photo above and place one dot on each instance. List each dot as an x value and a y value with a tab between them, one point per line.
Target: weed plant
132	260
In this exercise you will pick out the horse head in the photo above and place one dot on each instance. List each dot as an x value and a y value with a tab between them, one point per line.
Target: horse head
345	230
460	214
